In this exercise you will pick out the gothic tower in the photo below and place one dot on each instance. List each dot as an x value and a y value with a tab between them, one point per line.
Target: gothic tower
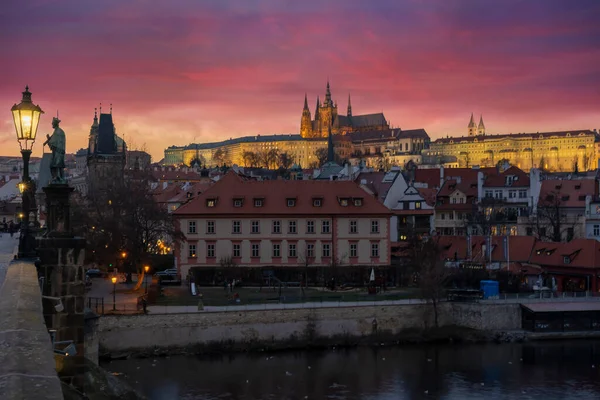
306	129
349	114
93	134
472	127
327	114
481	127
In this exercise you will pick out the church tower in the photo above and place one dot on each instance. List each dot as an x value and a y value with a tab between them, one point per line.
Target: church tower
306	129
93	134
481	127
472	127
327	113
349	114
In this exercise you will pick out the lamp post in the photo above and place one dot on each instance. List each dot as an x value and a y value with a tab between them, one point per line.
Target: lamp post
26	117
114	282
146	269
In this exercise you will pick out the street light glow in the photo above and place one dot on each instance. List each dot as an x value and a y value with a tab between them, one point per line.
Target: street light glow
114	279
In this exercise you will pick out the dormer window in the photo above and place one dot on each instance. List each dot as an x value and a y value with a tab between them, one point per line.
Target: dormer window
291	202
344	202
567	260
238	202
358	202
317	202
211	202
258	202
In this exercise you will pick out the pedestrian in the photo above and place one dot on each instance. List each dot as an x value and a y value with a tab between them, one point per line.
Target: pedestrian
144	304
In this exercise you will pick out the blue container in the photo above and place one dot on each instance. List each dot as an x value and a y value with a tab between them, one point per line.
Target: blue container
490	289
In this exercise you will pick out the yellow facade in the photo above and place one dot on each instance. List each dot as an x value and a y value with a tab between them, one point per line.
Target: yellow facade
553	151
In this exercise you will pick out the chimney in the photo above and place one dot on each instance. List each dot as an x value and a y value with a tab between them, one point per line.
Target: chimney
441	176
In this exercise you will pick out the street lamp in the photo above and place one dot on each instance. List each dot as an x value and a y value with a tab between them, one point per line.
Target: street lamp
26	117
146	269
114	281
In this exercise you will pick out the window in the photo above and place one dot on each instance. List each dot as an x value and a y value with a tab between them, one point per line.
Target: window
357	202
326	250
237	202
310	227
567	260
443	215
512	194
498	194
292	250
255	250
374	226
317	202
489	194
276	250
292	227
191	226
237	250
596	230
192	250
325	226
236	227
310	250
258	202
211	202
374	250
291	202
344	202
522	194
451	215
276	226
210	227
210	250
462	200
255	227
454	200
353	227
353	250
418	205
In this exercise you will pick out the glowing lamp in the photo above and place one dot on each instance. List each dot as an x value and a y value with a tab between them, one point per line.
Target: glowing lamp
26	117
114	280
123	254
22	186
146	268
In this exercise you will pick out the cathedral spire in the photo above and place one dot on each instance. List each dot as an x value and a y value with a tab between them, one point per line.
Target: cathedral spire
330	153
305	102
472	128
328	95
481	126
317	110
349	106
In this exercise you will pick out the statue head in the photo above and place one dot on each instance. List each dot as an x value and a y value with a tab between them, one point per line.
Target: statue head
55	122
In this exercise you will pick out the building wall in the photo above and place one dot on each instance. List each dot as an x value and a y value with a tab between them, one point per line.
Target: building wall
558	153
339	240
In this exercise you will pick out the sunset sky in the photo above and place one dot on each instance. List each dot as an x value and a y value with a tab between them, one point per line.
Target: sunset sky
179	71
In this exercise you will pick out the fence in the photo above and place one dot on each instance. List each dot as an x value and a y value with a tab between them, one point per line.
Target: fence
289	303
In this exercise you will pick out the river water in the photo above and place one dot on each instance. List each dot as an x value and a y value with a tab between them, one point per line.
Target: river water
543	370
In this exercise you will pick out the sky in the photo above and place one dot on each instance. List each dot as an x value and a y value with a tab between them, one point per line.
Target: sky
184	71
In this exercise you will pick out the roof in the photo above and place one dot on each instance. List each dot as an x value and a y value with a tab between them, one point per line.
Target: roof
364	120
244	139
428	194
559	306
537	135
519	248
275	195
106	143
377	135
176	175
572	193
498	179
581	253
375	183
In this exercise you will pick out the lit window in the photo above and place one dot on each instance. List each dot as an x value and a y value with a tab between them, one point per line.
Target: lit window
418	205
191	226
210	227
344	202
210	202
210	250
192	250
357	202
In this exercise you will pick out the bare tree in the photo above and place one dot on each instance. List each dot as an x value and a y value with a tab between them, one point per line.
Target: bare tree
285	160
432	274
268	158
321	155
550	222
306	258
219	156
250	159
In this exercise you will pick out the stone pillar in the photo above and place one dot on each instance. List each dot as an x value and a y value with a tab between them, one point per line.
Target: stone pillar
61	258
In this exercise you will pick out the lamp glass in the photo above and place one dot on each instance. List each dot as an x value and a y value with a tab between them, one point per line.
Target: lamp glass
146	268
21	187
26	117
114	279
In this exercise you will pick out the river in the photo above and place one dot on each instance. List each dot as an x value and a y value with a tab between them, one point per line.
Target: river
542	370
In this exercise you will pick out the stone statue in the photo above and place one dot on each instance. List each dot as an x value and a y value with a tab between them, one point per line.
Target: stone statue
57	143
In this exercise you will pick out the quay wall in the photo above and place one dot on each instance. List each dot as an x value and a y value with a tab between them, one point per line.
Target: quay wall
265	328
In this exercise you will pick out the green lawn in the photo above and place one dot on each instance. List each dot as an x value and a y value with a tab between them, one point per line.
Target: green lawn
212	296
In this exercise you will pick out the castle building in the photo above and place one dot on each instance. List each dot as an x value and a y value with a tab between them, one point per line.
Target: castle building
106	155
326	114
551	151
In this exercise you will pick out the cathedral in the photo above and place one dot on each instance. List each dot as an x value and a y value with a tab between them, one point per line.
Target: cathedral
326	114
475	130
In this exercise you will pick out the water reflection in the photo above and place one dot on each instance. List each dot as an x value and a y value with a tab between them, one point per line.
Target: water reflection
511	371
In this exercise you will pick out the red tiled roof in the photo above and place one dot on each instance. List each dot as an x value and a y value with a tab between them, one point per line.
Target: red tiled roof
194	190
572	193
582	253
498	179
469	188
375	183
519	247
275	194
429	176
176	175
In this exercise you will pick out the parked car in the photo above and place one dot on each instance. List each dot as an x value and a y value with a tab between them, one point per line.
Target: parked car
169	271
93	273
